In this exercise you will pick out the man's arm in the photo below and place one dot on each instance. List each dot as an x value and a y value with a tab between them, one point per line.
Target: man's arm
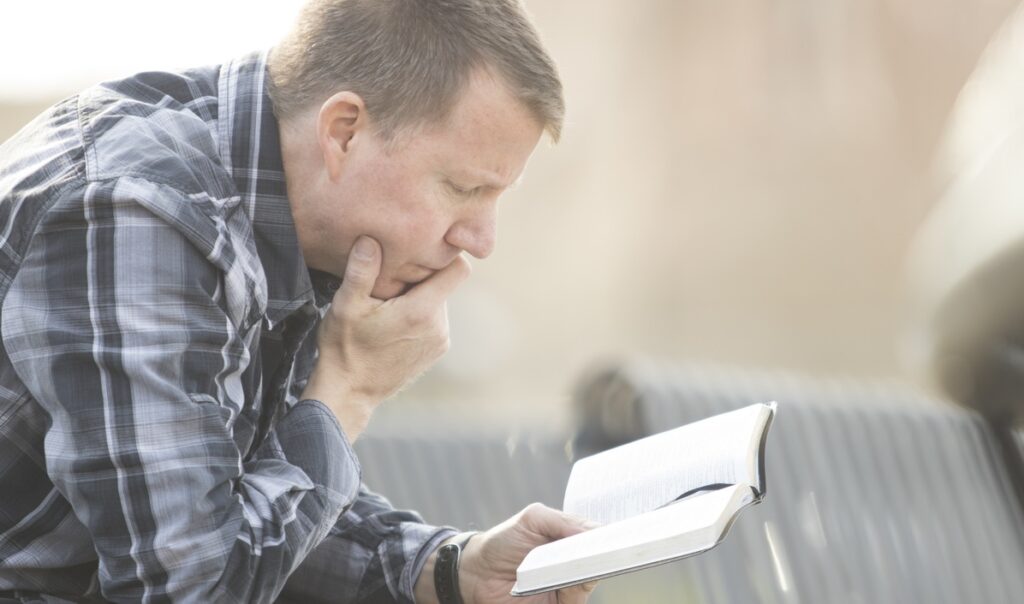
372	555
130	337
376	554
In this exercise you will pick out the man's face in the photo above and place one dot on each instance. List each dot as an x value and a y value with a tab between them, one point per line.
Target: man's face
428	198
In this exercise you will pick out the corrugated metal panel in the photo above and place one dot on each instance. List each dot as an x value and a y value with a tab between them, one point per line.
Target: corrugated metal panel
876	493
471	482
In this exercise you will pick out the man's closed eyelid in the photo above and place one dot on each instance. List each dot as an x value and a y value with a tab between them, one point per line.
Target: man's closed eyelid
462	190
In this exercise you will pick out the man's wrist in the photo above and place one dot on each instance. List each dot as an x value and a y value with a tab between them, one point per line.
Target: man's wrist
448	582
426	588
352	410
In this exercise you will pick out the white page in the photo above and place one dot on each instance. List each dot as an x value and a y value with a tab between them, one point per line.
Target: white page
653	471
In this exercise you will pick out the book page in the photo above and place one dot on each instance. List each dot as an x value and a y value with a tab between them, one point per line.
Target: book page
654	471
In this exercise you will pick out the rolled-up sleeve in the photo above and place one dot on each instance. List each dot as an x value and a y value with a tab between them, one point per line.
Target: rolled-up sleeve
124	331
373	555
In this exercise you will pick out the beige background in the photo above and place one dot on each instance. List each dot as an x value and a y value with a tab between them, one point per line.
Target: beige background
738	183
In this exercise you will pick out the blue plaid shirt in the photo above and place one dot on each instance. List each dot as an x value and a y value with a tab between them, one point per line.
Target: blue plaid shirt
158	323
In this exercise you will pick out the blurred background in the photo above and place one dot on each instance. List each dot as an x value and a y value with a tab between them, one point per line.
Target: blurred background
737	184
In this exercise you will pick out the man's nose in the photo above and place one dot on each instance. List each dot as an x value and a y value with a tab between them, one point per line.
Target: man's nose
475	234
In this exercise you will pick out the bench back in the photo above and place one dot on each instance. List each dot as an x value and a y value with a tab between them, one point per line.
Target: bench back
467	481
875	493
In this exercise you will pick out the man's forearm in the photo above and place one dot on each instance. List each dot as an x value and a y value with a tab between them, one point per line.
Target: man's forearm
374	553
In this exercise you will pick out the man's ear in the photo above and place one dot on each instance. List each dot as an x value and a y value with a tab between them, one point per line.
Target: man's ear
341	118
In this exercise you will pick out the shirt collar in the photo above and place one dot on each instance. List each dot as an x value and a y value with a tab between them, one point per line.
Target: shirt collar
250	147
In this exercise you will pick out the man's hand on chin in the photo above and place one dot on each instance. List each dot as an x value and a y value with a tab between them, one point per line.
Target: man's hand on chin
370	348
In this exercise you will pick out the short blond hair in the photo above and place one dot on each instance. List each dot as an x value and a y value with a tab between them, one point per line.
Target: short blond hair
410	59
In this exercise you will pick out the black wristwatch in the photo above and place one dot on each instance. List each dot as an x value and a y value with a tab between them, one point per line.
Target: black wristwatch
446	571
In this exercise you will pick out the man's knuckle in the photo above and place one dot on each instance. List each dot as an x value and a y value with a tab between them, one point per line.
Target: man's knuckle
415	317
533	510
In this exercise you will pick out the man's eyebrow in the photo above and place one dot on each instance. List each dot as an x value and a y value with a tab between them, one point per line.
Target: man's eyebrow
488	179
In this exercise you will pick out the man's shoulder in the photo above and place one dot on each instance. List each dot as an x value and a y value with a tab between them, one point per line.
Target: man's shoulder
159	127
151	140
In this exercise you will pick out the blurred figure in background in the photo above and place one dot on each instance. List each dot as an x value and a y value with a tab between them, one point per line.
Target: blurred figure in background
968	257
967	260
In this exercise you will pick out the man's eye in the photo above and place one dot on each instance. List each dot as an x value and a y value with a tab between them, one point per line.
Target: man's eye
459	190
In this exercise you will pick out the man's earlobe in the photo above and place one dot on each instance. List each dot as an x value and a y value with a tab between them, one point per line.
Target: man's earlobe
339	120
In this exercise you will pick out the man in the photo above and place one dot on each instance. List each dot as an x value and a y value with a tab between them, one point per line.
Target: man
210	280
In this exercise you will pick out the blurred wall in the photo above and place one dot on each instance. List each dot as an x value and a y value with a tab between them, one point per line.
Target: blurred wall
737	183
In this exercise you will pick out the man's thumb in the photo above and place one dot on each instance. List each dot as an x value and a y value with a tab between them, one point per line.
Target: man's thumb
362	269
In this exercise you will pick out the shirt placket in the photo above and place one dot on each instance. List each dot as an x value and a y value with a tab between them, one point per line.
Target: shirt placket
294	331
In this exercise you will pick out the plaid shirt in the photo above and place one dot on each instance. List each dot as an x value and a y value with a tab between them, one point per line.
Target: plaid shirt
158	322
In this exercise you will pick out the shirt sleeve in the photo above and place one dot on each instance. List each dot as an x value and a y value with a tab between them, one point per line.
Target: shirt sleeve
123	330
373	555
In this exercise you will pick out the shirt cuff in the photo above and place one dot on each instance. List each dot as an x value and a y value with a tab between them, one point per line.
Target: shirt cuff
313	440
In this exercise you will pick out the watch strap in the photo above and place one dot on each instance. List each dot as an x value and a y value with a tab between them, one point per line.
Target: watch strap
446	571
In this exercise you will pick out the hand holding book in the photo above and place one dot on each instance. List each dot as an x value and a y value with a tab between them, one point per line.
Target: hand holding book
489	560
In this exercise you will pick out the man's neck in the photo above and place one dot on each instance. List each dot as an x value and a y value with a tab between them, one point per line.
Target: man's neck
303	170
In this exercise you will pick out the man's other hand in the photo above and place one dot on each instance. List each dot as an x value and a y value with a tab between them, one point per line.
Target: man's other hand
487	568
370	348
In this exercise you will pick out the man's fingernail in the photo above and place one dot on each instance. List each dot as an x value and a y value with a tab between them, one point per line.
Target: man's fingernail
363	249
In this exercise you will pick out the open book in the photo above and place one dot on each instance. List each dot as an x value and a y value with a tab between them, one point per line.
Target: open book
660	498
